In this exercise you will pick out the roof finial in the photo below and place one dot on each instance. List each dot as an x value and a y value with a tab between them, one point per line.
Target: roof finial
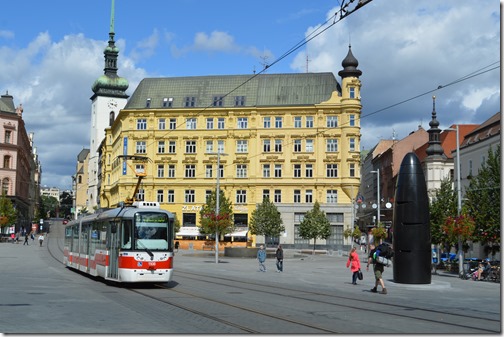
112	18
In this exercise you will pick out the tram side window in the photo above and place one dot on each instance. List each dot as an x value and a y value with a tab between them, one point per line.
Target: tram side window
126	235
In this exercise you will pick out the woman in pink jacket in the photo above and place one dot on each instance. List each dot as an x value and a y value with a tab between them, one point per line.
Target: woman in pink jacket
354	264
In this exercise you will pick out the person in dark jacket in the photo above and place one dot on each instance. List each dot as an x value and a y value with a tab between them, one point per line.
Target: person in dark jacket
279	257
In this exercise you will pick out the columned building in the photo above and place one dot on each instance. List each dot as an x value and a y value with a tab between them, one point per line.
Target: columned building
108	98
292	138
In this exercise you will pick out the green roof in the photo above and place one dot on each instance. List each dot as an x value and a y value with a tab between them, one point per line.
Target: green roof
258	90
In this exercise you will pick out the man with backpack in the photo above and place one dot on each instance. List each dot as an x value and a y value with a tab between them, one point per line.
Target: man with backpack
377	269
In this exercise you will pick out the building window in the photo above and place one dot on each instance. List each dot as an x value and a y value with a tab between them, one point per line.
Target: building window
173	123
309	170
309	196
190	146
162	124
221	171
242	146
278	145
141	124
190	171
208	194
332	196
266	194
141	147
242	123
332	121
160	171
352	170
309	145
5	186
352	120
278	170
209	146
278	196
189	102
147	103
470	168
140	195
209	123
297	122
218	100
352	144
160	196
266	171
297	145
278	122
8	137
171	196
267	122
209	171
309	121
6	163
332	171
167	102
241	196
172	147
171	171
189	196
241	171
220	146
161	146
191	123
352	92
297	196
266	145
332	145
239	100
220	123
297	170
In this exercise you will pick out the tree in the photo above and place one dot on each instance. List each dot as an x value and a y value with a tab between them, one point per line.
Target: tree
483	202
315	225
8	214
50	204
443	205
355	233
266	220
66	204
210	221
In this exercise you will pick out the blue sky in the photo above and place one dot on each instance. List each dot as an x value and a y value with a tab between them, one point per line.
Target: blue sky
51	53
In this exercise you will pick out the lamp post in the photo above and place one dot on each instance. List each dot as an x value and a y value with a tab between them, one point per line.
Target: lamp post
377	195
217	204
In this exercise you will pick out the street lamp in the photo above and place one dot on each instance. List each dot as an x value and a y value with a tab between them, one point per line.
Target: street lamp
377	195
459	200
217	202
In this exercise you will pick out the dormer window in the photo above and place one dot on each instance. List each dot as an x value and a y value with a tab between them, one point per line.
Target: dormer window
218	101
147	103
239	100
190	101
167	102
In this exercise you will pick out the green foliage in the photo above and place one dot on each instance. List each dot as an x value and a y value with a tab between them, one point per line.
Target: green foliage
210	222
483	201
379	233
49	205
176	223
7	210
266	220
443	205
315	225
355	233
66	204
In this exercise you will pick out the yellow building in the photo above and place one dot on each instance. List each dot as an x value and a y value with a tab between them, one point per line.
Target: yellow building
294	138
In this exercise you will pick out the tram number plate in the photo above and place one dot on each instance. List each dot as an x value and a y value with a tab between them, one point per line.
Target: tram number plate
152	264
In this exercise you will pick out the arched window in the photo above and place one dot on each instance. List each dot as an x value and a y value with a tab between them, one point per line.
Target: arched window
111	118
80	179
5	186
6	163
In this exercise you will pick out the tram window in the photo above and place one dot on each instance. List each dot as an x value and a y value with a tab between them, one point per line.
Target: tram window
126	235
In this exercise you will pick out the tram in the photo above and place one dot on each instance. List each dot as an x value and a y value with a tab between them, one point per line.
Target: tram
125	245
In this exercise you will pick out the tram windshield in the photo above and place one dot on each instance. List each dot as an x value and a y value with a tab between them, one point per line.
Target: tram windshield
151	231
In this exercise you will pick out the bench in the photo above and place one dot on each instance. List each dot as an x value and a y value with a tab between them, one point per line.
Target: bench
209	246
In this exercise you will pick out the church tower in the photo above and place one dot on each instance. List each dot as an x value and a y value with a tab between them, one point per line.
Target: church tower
109	97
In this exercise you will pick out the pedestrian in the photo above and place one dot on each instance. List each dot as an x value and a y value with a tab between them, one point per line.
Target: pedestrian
354	264
26	239
41	239
261	257
32	236
176	246
17	237
13	237
378	271
279	257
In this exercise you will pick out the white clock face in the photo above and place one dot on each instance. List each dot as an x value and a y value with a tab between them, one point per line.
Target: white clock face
112	104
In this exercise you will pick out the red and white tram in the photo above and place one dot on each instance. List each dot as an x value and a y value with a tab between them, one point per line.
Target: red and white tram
128	244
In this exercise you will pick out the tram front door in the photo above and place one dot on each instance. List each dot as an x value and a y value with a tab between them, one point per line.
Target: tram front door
113	252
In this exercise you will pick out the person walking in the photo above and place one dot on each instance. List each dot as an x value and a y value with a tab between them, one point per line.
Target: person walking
354	264
26	239
41	239
279	258
377	269
261	257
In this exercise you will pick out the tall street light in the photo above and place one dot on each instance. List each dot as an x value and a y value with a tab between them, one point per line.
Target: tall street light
459	201
217	204
377	195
